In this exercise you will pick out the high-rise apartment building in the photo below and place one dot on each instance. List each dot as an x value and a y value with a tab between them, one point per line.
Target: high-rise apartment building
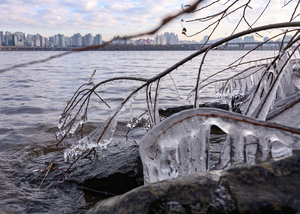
98	39
61	40
1	38
77	40
166	39
87	40
174	39
20	36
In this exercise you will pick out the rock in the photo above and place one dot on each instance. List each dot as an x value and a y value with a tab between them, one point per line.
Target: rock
169	111
7	212
114	166
106	169
271	187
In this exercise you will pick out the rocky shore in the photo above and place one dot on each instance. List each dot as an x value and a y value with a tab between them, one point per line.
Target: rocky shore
270	187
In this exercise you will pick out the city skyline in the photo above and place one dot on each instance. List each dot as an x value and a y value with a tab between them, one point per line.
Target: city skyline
113	18
77	40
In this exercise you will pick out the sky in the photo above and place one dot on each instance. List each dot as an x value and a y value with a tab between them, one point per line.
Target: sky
127	17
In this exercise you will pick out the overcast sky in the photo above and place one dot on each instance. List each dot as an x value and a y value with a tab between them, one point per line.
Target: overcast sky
125	17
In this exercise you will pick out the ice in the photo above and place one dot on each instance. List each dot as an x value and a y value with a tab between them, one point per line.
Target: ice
100	137
130	106
286	112
180	144
280	150
68	123
156	103
251	143
296	78
264	87
283	79
153	105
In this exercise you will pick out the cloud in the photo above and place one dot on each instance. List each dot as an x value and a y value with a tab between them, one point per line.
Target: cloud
124	17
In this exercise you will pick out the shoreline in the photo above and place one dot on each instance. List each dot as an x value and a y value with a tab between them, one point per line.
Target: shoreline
121	47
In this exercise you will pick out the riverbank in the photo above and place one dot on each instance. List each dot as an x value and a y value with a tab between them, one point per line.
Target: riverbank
131	47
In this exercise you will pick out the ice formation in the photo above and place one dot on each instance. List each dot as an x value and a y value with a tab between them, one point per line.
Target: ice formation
180	144
286	112
100	137
258	87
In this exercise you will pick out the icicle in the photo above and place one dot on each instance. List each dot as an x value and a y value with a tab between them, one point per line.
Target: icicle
130	106
262	109
156	103
216	87
231	87
251	148
68	124
296	61
100	137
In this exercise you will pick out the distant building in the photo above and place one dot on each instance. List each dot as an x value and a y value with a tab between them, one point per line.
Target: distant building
61	40
20	36
163	38
236	40
205	39
77	40
19	43
7	34
87	40
98	39
37	42
42	40
11	40
29	39
287	38
249	38
121	40
47	42
1	38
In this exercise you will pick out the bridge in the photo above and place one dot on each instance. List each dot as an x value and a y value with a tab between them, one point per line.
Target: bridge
227	46
238	45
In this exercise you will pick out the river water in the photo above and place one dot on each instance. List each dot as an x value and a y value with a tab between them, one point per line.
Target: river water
34	96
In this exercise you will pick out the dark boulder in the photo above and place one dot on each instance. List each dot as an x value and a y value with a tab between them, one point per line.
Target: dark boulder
271	187
170	111
115	169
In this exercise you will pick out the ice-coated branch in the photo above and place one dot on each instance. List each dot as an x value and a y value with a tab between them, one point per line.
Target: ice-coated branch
196	103
100	132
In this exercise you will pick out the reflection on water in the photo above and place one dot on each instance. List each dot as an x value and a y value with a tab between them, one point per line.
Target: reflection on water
32	98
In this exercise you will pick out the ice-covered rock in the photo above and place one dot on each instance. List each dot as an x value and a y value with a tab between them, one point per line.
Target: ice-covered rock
180	144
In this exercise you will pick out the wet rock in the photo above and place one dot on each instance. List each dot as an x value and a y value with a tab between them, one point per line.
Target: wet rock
170	111
7	212
271	187
115	169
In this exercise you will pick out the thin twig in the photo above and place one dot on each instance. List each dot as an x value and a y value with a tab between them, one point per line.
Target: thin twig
46	174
